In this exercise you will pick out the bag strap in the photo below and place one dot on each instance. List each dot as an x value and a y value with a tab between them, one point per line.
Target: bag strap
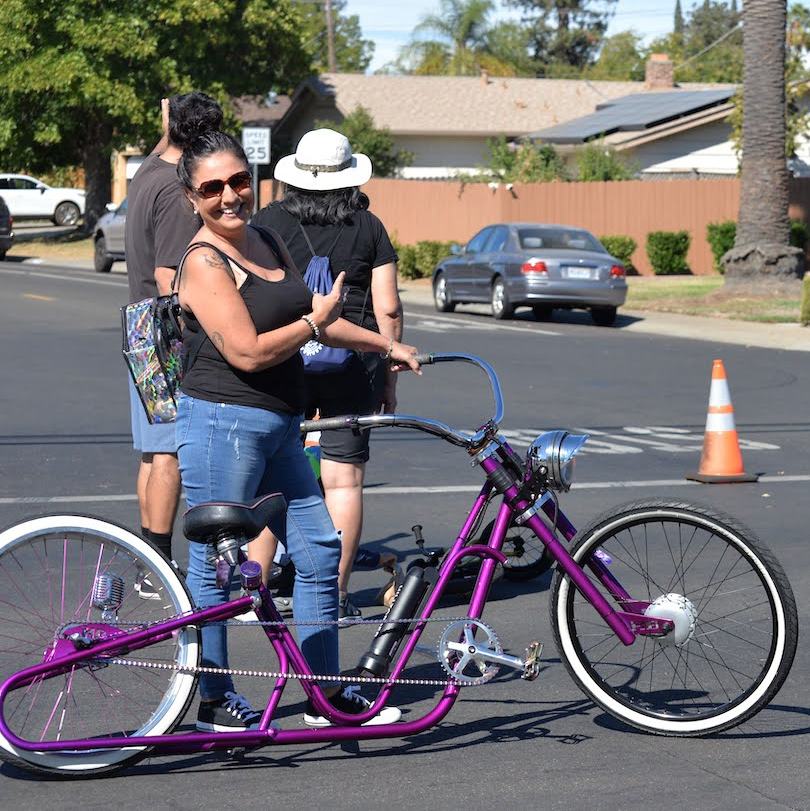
331	247
270	240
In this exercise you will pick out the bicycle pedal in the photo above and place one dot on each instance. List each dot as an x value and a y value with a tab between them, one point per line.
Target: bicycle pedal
531	666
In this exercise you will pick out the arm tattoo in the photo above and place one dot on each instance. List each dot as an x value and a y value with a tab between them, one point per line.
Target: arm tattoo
214	260
218	341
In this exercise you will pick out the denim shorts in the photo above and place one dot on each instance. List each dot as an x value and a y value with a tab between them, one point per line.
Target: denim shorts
148	438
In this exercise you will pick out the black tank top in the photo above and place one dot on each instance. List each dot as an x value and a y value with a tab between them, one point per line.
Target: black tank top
278	388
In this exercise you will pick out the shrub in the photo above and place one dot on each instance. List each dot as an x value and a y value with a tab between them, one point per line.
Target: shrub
417	261
798	234
720	236
804	317
666	251
407	261
595	162
620	246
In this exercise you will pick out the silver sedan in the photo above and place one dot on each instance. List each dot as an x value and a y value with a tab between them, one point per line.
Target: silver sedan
544	267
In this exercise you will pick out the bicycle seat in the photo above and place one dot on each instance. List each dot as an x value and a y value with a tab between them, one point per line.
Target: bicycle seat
207	521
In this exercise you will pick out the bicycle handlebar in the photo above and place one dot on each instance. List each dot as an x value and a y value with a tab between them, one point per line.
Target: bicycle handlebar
419	423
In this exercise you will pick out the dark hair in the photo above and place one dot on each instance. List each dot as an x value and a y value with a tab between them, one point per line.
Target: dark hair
323	207
203	147
192	115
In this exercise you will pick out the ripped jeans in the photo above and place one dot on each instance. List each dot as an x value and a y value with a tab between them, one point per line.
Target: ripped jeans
238	453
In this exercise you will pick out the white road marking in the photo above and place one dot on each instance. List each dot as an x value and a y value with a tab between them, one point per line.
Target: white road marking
438	323
40	274
425	491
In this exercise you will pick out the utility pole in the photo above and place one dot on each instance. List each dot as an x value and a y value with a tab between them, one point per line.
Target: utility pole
330	36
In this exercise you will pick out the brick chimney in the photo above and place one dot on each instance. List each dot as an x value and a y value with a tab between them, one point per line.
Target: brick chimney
659	72
485	77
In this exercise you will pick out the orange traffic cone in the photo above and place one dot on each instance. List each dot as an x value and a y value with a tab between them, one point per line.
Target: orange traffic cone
721	460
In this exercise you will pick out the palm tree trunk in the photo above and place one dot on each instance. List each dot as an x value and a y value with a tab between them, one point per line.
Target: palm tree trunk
761	248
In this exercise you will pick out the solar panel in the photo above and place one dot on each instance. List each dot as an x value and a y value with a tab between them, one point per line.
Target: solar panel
636	112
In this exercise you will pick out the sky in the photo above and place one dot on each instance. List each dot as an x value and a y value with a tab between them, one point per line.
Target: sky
389	23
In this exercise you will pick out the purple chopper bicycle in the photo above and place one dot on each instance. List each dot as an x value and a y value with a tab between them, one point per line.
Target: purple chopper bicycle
672	617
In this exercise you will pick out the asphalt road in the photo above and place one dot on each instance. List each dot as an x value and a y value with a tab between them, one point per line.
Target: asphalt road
643	398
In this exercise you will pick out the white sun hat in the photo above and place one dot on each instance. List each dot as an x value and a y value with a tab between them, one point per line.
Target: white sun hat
323	161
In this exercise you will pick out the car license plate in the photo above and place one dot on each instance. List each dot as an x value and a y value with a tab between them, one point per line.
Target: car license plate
577	273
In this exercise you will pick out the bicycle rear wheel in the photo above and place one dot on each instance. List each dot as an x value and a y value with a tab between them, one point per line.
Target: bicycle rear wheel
526	555
55	571
735	619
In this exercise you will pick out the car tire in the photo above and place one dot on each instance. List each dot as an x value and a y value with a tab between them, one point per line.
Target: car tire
502	307
66	213
441	296
603	316
102	261
543	312
2	256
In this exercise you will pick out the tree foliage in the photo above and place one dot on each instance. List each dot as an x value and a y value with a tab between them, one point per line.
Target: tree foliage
353	54
378	144
79	78
565	34
525	162
596	161
620	59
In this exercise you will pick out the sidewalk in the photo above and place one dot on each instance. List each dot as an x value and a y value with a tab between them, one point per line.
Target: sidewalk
789	337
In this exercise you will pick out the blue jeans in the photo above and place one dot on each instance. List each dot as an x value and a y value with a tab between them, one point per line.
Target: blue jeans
238	453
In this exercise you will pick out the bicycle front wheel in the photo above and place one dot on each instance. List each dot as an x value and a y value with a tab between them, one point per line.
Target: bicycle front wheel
63	570
735	619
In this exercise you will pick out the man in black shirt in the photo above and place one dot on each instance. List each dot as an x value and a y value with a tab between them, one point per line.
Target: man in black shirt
160	224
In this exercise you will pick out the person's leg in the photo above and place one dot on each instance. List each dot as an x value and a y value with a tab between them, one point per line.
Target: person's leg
343	493
262	549
144	469
163	492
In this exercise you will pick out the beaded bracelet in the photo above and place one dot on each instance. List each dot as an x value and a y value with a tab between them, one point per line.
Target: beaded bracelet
390	350
313	326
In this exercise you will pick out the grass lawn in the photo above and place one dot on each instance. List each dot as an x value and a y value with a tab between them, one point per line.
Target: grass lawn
73	245
708	296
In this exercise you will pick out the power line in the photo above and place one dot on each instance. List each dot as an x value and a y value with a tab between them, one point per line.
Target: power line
709	46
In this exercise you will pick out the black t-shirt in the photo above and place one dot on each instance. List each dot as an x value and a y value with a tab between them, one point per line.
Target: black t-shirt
363	245
278	388
159	225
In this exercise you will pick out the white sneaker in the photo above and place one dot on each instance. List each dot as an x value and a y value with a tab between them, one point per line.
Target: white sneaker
351	702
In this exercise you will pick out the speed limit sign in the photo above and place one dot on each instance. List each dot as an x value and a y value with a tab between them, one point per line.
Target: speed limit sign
256	143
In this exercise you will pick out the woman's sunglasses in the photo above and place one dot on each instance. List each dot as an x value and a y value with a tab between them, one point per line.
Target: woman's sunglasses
214	188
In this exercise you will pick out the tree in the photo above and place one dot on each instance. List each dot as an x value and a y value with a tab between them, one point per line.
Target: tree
761	247
525	162
353	54
79	78
596	161
677	21
459	43
619	60
378	144
565	34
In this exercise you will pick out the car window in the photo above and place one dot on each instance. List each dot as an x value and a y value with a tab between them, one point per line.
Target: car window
122	209
5	183
477	242
498	239
22	183
558	238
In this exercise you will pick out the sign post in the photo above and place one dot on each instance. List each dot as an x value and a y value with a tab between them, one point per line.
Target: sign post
256	143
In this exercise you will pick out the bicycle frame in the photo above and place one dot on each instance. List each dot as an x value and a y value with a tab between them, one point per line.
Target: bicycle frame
627	623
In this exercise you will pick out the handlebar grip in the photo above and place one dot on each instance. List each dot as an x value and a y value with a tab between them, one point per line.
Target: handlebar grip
423	358
325	424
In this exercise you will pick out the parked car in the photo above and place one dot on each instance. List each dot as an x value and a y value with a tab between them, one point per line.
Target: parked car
6	234
28	198
544	267
108	238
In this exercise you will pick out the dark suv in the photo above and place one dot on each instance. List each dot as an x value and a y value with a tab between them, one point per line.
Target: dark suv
6	234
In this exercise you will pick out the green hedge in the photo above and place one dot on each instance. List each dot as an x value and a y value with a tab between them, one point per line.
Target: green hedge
721	236
417	261
666	251
621	247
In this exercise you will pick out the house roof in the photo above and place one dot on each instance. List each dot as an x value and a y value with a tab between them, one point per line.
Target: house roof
640	111
253	111
453	105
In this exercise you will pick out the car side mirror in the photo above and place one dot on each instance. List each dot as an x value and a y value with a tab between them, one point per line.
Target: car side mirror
457	249
41	189
111	207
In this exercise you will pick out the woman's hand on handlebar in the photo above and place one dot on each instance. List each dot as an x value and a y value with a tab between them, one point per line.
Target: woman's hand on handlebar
326	309
402	358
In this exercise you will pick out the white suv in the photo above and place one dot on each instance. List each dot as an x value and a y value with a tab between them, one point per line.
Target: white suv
28	198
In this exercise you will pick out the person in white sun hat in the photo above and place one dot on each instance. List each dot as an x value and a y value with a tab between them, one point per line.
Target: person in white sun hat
323	212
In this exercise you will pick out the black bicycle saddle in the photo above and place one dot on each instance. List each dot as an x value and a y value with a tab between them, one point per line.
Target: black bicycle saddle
210	520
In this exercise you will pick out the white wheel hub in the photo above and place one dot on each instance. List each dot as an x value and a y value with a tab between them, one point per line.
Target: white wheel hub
681	611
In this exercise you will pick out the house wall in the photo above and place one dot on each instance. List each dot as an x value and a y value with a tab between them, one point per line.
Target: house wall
437	156
415	210
705	150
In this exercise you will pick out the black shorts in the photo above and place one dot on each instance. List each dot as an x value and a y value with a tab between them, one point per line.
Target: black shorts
357	389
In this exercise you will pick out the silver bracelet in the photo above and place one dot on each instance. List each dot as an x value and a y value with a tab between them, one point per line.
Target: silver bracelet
390	350
313	326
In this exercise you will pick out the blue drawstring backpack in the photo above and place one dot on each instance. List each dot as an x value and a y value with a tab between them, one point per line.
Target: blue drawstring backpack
320	359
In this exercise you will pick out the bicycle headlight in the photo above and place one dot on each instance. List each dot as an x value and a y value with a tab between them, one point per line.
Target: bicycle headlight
550	458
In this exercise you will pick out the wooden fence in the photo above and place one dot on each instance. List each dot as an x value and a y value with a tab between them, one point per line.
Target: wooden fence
414	210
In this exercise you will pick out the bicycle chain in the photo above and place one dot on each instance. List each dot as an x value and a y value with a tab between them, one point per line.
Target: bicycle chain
219	671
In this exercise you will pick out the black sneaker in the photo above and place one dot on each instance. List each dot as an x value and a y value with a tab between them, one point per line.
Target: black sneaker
145	588
231	713
348	612
350	702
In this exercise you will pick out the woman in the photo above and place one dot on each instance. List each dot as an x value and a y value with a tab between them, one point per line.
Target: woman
242	401
323	210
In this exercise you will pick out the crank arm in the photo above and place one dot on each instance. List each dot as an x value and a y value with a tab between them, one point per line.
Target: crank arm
531	665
